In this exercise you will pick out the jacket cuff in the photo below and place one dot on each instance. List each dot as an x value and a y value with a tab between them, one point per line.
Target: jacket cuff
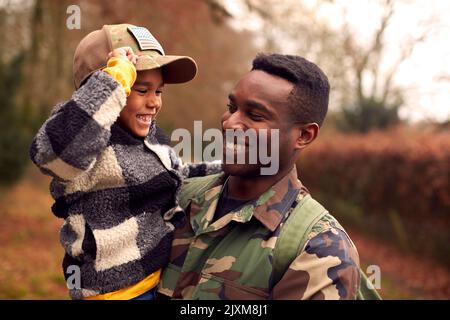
123	71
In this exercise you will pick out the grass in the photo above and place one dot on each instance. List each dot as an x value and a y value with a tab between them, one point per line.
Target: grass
389	286
30	259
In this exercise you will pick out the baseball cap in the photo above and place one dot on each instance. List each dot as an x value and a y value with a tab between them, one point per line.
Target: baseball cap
91	54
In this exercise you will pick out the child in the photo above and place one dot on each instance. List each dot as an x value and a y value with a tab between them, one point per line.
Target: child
114	182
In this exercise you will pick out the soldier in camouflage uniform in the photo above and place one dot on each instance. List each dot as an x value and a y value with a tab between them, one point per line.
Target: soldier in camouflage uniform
224	243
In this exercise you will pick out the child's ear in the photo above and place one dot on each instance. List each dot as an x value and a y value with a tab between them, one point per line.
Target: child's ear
306	133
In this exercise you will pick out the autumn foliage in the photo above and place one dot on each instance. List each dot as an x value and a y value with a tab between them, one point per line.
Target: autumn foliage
394	185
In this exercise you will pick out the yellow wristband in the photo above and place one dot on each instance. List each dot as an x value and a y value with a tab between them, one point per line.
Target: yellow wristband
123	71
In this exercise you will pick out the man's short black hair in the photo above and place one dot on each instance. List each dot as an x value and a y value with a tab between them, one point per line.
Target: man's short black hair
309	98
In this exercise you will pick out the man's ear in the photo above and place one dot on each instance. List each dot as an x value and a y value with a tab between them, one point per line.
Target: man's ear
307	133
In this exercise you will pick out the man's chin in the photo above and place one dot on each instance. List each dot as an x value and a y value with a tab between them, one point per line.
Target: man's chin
242	170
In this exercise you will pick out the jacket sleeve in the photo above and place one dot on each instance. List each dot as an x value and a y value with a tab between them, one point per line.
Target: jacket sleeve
190	170
78	130
327	269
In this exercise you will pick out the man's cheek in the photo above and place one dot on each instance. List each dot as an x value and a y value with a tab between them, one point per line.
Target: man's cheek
225	116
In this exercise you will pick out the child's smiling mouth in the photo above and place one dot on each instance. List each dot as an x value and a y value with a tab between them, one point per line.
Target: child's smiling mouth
144	119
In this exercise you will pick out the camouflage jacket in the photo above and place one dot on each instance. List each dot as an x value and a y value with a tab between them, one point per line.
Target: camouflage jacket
231	258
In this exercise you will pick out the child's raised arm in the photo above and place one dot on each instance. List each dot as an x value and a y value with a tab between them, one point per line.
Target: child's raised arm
78	130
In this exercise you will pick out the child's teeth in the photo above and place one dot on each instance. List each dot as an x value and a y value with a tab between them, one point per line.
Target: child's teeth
145	118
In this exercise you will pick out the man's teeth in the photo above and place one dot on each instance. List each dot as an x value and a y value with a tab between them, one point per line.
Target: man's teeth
231	146
235	147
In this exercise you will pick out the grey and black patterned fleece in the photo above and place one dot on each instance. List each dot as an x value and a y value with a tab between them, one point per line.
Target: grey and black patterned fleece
115	191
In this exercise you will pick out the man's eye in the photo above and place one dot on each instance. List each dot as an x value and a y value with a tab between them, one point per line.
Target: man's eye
159	92
256	117
231	108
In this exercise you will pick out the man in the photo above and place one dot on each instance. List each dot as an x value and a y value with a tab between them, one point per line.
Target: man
224	246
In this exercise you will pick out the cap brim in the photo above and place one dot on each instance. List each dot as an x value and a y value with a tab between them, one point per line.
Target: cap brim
175	69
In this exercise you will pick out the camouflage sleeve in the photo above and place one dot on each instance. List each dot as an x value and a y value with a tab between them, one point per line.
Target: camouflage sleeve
327	269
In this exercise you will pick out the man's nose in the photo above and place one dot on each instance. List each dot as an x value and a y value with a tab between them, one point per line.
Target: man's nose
234	121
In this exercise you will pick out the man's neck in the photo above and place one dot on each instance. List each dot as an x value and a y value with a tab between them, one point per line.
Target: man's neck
247	188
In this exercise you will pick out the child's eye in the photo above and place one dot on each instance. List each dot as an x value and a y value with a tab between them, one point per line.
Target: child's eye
141	91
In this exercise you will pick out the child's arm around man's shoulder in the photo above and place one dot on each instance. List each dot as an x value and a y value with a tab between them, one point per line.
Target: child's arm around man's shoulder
190	170
78	130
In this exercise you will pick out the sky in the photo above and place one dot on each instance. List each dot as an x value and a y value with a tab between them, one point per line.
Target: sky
426	96
424	76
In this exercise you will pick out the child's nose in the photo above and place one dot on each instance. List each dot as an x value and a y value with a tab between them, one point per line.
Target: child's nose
153	102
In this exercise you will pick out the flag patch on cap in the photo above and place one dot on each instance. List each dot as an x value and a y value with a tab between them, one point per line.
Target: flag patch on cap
145	39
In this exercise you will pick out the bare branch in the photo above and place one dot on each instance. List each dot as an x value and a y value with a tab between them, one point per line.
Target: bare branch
263	12
218	10
366	59
375	52
404	55
377	44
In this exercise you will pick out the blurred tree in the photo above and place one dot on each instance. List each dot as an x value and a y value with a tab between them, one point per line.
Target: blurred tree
376	98
368	114
321	31
14	139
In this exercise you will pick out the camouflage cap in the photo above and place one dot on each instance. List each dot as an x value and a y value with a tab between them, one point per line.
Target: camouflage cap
91	53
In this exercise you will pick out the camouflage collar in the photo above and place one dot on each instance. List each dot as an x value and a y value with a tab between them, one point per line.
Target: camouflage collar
273	204
270	207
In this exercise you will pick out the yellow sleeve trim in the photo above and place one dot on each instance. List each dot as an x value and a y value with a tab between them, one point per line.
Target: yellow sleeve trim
132	291
123	71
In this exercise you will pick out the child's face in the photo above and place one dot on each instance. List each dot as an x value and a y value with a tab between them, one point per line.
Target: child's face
143	103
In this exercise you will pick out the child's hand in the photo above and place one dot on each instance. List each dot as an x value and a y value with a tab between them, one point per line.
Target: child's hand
123	73
124	53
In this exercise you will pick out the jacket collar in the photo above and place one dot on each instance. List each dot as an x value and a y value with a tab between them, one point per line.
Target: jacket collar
269	208
274	203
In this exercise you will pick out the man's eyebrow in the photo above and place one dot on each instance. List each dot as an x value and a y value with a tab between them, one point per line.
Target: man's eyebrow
252	104
259	106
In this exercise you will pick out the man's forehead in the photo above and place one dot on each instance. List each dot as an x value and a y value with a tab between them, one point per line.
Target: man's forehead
263	85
